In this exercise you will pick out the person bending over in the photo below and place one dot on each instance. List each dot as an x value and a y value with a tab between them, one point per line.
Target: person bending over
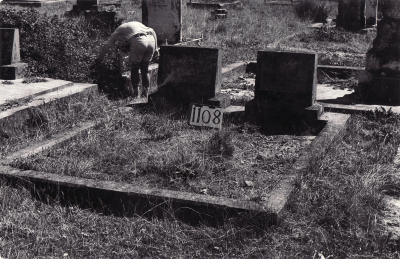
142	42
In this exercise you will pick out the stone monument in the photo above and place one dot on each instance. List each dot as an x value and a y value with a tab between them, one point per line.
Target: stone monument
191	74
165	17
371	12
380	82
11	66
351	14
285	86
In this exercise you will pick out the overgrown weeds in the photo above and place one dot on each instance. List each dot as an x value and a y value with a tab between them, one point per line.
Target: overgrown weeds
51	118
335	211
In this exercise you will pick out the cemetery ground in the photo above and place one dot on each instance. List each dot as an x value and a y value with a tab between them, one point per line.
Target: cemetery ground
336	209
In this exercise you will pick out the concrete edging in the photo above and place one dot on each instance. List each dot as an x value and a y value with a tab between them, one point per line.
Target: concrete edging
130	199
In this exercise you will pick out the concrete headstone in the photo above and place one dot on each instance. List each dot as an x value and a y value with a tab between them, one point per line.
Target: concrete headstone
165	17
285	88
189	74
10	60
9	46
371	12
287	77
351	14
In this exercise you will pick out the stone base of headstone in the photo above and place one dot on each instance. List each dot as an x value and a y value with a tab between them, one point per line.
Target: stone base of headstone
378	89
214	5
14	71
220	100
264	112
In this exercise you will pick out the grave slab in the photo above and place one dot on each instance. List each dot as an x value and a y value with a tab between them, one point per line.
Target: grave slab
19	91
165	17
18	115
189	74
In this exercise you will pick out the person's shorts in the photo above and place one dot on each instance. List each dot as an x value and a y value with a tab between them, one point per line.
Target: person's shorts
141	49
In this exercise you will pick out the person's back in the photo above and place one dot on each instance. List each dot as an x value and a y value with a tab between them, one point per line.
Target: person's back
142	43
128	30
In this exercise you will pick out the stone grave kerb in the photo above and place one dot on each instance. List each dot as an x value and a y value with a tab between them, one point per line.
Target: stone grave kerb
165	17
11	66
191	74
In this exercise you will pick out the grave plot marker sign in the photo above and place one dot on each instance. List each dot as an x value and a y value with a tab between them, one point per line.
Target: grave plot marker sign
165	17
206	116
189	74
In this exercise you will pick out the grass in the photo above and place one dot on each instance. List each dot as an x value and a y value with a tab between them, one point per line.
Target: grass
157	151
51	118
335	46
335	211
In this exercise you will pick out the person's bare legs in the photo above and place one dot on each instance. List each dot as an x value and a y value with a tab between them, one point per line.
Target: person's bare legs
135	79
144	69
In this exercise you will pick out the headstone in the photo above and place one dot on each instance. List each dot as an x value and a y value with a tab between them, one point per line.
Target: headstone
9	45
351	14
165	17
10	60
189	74
380	82
285	83
287	77
371	12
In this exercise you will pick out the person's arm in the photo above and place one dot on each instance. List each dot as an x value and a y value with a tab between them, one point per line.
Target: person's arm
108	44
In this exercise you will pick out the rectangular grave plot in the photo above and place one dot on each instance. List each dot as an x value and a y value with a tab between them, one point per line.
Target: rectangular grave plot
190	74
287	78
165	17
9	46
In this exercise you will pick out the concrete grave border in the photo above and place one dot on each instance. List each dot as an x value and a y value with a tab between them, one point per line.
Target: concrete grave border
125	199
129	199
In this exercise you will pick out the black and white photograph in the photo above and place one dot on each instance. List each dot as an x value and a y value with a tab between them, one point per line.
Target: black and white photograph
199	129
